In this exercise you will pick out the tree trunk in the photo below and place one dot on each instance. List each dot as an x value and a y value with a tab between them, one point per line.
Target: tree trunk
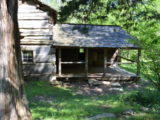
13	105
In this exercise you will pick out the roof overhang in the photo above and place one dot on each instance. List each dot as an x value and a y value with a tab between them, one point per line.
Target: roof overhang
96	36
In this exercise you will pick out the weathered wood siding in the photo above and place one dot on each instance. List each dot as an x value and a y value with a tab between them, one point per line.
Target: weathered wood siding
36	35
35	25
96	56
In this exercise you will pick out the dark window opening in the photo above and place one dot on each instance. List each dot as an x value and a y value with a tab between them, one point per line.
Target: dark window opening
27	56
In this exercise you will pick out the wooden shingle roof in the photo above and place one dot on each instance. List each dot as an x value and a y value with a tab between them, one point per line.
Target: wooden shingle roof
80	35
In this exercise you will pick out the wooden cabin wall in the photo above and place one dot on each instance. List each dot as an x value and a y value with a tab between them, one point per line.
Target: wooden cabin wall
96	56
43	59
37	36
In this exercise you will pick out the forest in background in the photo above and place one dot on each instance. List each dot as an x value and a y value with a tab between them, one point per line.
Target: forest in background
138	17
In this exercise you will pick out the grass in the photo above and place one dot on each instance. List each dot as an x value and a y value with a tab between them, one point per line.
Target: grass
67	105
129	67
133	68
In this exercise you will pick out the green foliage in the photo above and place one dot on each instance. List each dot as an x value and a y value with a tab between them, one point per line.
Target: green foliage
145	98
148	32
129	67
118	12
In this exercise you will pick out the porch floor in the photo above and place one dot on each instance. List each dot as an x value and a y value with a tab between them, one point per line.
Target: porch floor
112	73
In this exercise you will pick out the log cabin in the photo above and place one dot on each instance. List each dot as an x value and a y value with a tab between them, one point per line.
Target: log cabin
93	51
51	50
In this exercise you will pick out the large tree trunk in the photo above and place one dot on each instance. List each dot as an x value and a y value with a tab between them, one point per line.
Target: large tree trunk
13	105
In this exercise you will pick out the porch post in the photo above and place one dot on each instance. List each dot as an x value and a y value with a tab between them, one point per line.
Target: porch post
59	62
138	62
105	62
114	56
86	62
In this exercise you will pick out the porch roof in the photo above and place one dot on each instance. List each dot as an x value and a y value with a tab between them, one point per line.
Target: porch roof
91	36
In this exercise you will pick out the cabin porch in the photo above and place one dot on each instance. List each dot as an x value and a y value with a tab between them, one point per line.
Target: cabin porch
111	73
100	63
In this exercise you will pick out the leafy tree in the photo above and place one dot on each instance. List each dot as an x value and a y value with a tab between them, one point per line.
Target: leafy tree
148	32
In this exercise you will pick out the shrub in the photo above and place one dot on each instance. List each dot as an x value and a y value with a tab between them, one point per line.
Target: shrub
144	98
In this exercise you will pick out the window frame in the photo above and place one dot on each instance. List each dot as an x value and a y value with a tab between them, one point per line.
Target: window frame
29	62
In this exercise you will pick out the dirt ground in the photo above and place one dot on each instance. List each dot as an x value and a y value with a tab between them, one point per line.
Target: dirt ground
83	87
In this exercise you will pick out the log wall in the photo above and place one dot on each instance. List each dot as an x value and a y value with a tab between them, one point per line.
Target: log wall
96	56
36	35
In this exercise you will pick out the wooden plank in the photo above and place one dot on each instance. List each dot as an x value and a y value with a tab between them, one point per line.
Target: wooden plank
125	62
44	14
29	10
32	40
138	62
34	30
37	42
38	68
32	16
26	5
120	53
73	62
114	73
105	62
27	63
46	58
25	8
100	77
127	59
33	24
40	33
48	37
114	56
59	62
86	61
27	32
